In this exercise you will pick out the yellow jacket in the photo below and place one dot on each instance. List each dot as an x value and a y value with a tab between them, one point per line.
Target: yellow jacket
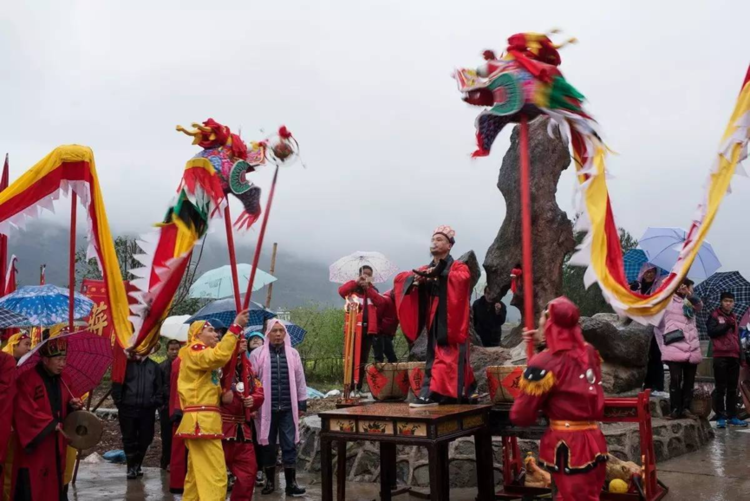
199	386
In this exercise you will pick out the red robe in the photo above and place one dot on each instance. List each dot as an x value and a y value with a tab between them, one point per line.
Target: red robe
178	461
387	318
239	452
41	451
7	394
443	310
565	391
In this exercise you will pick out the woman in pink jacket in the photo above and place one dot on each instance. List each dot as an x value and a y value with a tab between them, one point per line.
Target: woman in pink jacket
677	336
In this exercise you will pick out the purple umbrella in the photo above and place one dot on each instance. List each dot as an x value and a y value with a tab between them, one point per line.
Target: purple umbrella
88	358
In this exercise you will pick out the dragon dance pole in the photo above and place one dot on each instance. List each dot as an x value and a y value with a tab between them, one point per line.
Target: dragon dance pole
528	283
72	259
232	257
237	303
258	248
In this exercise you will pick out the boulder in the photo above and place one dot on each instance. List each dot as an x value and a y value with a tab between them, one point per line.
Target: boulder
552	231
618	378
627	345
481	358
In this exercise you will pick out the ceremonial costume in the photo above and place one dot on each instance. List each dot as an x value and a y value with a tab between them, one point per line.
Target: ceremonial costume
236	422
441	306
42	402
14	341
564	382
178	457
200	392
382	346
8	393
369	301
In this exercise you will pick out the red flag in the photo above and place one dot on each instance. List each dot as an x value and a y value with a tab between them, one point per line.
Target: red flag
10	276
42	269
3	238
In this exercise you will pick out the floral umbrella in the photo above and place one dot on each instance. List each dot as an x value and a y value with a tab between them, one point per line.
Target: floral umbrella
45	305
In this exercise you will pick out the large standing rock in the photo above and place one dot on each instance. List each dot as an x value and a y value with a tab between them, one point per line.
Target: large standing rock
552	231
481	358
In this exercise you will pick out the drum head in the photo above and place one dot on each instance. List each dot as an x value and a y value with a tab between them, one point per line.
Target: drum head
83	428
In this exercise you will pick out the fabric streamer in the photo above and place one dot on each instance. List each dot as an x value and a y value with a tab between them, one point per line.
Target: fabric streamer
525	81
67	168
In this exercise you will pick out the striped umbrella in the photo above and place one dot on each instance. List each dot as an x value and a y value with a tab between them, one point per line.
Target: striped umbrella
710	293
11	319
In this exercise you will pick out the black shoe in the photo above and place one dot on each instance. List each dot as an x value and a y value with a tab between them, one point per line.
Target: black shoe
132	473
292	489
423	402
270	481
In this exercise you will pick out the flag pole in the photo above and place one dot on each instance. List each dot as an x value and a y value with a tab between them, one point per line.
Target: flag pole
259	246
271	271
528	283
72	259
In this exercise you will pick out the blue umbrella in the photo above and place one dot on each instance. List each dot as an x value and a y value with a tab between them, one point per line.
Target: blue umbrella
11	319
633	261
296	333
45	305
663	245
225	311
217	283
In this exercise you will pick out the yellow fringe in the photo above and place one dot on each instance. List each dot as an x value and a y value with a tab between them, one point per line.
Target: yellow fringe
538	388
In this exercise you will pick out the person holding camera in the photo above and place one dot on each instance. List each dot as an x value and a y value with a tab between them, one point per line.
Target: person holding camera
677	336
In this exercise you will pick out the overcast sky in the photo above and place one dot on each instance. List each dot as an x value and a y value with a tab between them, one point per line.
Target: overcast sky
365	86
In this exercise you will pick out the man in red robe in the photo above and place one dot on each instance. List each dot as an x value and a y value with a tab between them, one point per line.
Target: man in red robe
565	383
366	295
178	458
435	298
8	393
43	400
239	451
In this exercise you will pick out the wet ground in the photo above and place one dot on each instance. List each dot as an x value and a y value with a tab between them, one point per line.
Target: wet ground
718	472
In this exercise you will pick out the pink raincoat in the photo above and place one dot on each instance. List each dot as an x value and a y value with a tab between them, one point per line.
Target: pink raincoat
261	363
688	350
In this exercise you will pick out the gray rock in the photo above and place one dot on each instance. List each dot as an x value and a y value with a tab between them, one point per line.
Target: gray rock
512	335
464	447
463	473
552	231
627	346
481	358
421	476
620	379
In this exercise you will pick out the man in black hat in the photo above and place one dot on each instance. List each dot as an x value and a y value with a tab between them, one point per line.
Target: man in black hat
723	329
43	401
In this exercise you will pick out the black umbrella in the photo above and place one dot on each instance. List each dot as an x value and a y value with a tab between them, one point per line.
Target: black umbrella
710	293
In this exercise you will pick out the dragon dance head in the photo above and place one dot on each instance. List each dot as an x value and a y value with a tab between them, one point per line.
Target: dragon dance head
524	81
233	160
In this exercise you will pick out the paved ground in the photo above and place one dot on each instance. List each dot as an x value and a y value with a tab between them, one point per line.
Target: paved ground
718	472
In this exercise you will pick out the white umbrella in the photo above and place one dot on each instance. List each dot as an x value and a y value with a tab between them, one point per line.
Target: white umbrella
663	246
175	328
347	268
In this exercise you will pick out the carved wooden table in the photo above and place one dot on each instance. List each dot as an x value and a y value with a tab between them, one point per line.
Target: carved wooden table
398	424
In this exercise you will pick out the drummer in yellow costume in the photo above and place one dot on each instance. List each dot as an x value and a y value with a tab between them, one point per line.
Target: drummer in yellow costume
199	387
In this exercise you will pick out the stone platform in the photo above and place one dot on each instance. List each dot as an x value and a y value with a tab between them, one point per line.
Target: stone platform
671	439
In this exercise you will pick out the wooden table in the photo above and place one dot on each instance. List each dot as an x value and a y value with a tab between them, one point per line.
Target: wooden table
398	424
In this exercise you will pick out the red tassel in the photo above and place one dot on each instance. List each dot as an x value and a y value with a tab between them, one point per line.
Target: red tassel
284	132
489	55
246	220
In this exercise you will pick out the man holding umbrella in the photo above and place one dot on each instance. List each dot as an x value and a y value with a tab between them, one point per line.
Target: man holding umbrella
43	401
366	295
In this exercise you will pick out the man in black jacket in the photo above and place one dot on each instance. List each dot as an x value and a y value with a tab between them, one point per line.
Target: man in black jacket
137	399
489	317
173	349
